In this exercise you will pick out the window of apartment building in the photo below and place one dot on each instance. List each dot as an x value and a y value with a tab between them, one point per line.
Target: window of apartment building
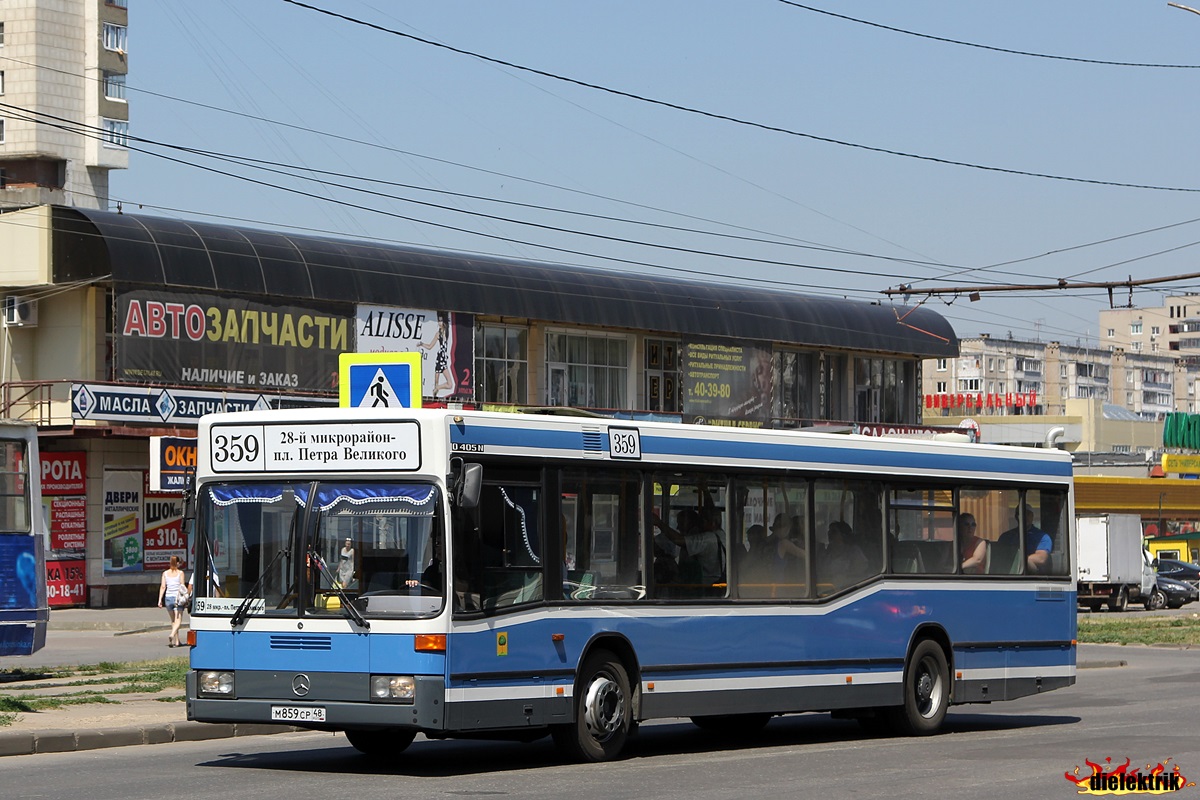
1111	332
1062	370
968	384
1028	365
114	85
1129	398
662	375
1136	347
116	133
940	387
1154	330
117	3
1	34
1000	387
1004	365
1135	328
941	365
1	81
502	364
116	37
588	370
991	364
1154	347
1	131
1062	391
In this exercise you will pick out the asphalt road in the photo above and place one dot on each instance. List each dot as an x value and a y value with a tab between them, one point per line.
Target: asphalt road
1142	710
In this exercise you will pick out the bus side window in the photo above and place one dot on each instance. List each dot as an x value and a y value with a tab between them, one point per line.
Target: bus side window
849	518
510	546
601	538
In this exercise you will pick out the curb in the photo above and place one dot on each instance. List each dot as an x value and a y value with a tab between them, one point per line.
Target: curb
24	743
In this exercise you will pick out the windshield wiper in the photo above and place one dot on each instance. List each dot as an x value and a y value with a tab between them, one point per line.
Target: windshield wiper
347	605
243	609
239	616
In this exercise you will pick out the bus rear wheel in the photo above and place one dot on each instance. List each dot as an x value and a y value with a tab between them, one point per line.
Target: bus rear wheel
378	743
603	711
926	692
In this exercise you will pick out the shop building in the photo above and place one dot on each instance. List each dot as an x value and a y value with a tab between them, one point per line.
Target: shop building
131	327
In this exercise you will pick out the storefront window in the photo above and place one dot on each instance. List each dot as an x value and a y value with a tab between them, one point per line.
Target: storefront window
502	364
587	370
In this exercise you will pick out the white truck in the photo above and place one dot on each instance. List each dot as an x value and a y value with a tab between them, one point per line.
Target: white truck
1113	565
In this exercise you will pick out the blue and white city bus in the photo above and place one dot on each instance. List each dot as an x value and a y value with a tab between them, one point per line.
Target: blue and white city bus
476	574
24	612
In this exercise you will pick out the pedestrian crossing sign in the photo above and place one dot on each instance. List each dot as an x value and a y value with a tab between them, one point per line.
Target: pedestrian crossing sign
379	380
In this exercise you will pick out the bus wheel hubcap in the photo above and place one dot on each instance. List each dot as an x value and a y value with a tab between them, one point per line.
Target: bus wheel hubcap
604	708
927	691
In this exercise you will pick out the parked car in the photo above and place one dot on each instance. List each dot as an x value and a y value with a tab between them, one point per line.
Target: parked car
1174	594
1179	570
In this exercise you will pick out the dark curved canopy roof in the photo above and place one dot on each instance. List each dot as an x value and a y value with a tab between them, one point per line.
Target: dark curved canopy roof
162	252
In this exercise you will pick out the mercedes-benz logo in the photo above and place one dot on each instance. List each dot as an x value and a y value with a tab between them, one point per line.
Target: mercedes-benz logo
300	685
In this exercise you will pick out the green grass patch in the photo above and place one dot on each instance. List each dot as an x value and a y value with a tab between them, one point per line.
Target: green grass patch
103	681
1140	630
29	703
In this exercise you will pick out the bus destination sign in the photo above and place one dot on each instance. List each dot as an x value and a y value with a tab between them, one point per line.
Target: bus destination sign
334	447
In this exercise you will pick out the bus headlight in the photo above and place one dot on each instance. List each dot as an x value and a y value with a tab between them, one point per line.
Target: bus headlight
214	682
396	688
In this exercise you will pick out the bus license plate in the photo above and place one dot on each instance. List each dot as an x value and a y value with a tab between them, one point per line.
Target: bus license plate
297	713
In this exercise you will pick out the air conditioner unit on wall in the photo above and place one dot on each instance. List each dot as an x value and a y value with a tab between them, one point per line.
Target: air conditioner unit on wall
20	312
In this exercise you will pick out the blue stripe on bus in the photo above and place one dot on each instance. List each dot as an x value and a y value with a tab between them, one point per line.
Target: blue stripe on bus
869	634
798	453
384	654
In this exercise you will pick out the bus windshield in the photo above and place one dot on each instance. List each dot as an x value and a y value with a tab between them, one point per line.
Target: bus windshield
317	546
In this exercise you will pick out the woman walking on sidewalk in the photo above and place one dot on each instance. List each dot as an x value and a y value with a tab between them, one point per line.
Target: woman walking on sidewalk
168	595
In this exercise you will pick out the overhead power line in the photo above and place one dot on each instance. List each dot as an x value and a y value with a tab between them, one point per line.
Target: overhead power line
739	120
974	292
988	46
98	133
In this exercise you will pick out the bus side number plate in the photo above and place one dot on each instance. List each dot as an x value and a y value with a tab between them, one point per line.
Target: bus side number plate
624	443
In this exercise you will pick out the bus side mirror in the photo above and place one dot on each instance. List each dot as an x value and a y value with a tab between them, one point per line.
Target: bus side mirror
470	483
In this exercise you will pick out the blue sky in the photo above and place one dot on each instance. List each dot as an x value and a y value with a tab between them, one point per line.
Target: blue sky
273	81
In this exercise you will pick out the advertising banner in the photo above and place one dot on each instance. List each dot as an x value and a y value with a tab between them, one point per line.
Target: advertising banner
164	532
18	571
116	403
64	473
445	340
66	582
68	522
195	339
171	459
122	517
726	383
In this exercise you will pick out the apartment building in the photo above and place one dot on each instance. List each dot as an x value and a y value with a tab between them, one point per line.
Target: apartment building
64	116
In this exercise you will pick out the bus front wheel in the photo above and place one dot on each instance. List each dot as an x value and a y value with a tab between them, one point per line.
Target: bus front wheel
379	743
603	711
926	692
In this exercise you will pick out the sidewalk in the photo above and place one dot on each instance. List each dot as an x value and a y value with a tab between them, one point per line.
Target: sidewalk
88	636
